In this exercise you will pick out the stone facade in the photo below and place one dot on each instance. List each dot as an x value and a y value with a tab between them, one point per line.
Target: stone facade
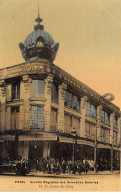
16	113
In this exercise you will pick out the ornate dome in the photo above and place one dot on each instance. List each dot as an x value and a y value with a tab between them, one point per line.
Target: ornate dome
39	44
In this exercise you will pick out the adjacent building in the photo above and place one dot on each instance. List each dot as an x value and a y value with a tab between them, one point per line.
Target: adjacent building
46	112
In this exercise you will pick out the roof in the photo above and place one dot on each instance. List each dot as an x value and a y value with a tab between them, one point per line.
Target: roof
32	38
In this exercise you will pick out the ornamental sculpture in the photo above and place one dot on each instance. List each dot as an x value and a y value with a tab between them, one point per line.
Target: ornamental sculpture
39	44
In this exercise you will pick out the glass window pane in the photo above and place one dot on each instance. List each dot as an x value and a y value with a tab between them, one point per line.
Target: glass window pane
41	87
37	117
54	94
34	88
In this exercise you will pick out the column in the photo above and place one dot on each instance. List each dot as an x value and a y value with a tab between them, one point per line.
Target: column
8	118
47	108
97	135
23	150
83	105
119	141
25	93
119	130
111	138
98	121
62	90
2	105
46	149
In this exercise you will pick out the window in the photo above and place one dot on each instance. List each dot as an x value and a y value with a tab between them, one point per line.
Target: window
115	137
15	118
105	135
90	130
38	88
16	90
91	110
72	101
37	117
105	117
53	123
68	123
71	122
115	123
54	94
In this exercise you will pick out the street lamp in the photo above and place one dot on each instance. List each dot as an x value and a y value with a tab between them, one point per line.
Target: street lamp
74	133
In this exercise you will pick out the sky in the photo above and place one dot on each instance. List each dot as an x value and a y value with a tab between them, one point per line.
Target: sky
88	31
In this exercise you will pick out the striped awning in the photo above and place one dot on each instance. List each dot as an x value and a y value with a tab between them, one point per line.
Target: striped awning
85	142
38	137
65	139
116	148
103	146
7	138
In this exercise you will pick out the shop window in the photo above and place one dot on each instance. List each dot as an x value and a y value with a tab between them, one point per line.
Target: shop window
91	110
15	118
115	138
72	101
53	122
16	90
54	94
37	117
105	117
38	88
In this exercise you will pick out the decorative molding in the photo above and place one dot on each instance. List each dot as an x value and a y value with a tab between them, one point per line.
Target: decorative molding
3	88
26	81
49	81
63	88
84	100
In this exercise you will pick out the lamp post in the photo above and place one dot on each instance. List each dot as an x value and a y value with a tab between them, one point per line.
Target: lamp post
74	133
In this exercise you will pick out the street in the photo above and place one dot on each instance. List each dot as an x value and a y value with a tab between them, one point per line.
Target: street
104	181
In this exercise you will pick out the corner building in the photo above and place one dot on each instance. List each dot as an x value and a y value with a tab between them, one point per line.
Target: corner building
42	105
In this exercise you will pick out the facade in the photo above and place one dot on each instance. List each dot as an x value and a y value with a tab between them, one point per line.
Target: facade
45	112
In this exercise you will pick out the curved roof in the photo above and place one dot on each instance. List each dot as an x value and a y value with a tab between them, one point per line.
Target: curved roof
32	37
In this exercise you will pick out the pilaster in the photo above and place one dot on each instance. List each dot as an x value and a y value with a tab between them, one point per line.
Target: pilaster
25	94
112	126
62	89
98	122
3	104
119	130
83	105
46	149
47	108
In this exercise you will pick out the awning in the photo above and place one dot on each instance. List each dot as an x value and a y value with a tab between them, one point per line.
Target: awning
85	142
116	148
7	137
38	137
103	146
65	139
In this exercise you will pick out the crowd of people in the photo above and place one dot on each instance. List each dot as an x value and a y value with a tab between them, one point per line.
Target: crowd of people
56	166
51	165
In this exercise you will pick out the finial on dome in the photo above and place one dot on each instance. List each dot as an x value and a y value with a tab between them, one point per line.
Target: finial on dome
38	20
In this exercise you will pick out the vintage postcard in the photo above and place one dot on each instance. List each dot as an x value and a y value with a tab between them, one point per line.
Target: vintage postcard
60	95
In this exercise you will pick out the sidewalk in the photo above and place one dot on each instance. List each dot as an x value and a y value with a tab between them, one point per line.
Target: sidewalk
66	175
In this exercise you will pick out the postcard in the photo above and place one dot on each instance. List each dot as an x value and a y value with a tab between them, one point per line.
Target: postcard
60	83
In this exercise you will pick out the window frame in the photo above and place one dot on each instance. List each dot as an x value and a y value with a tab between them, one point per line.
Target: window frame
37	118
70	103
15	92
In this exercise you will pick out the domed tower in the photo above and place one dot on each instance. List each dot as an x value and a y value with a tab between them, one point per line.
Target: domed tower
39	44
